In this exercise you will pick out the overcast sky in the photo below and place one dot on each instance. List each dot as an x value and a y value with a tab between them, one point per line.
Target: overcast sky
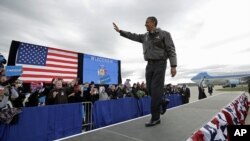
209	35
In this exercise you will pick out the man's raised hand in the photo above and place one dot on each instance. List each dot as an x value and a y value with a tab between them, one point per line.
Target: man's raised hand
116	27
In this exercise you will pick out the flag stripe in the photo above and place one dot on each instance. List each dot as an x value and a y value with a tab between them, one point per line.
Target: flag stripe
63	51
48	76
61	63
36	70
46	69
61	66
34	79
62	58
61	55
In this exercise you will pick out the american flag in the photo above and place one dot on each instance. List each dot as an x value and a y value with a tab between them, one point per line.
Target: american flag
216	129
208	132
42	64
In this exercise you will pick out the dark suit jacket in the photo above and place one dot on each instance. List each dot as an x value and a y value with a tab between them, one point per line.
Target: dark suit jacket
185	95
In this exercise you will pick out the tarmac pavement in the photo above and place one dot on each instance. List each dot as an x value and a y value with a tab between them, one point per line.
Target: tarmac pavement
194	97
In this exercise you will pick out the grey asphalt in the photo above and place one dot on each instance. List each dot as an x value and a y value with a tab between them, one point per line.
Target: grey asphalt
177	124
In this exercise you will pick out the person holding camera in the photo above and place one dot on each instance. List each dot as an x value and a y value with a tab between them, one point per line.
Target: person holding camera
4	97
7	114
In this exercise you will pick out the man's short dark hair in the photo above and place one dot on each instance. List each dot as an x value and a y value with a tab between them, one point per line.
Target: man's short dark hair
152	18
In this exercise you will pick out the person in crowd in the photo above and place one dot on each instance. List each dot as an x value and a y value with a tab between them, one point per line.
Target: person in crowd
7	114
3	78
175	89
74	91
185	93
112	92
134	91
202	93
158	46
201	90
178	88
138	85
36	91
127	91
85	92
79	90
8	84
85	86
168	89
18	86
103	94
210	89
2	62
92	93
143	88
7	81
47	89
127	84
58	94
120	91
140	93
109	88
4	97
137	91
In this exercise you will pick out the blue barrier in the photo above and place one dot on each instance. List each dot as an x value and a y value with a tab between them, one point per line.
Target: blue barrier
114	111
44	123
57	121
175	100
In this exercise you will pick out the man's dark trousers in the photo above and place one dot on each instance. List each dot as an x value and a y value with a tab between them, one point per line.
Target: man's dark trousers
155	76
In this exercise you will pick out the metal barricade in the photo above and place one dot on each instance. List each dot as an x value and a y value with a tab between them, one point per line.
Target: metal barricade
87	116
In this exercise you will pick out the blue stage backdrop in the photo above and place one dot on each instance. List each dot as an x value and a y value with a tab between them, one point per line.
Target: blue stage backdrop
100	70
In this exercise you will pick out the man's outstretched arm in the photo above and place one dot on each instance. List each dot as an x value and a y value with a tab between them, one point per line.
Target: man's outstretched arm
129	35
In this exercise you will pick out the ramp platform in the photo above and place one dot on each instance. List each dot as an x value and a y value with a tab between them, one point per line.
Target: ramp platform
177	124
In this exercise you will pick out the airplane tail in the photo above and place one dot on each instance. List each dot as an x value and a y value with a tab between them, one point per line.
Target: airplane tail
201	76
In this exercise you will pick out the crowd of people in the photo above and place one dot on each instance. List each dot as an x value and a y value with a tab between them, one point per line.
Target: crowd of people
60	92
14	94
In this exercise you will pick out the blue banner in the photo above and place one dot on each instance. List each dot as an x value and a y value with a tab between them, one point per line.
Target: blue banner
100	70
13	70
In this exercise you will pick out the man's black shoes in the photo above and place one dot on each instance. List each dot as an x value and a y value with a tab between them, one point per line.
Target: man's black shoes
153	123
164	104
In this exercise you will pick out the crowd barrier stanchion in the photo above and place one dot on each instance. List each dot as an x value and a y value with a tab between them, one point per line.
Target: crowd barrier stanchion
87	115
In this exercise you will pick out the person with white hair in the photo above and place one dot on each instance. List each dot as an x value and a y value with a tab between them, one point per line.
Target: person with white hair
103	95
